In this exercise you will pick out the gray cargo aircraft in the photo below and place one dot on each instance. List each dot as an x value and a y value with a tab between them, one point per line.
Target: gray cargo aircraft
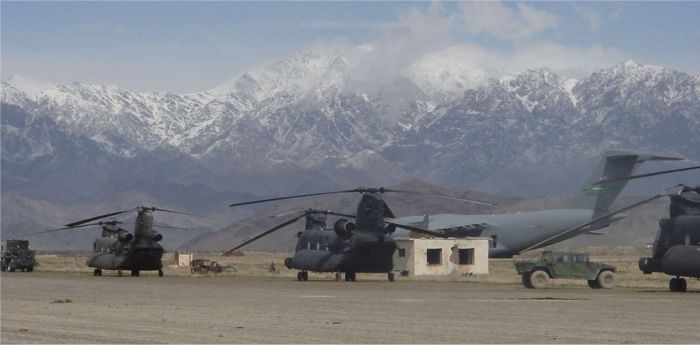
514	233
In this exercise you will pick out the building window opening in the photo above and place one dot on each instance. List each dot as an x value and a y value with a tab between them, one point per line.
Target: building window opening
402	252
434	256
466	256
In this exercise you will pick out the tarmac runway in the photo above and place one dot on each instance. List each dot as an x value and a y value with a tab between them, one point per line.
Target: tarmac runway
78	308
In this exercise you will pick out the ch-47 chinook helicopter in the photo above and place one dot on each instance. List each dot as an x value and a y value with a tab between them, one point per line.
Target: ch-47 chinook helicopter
514	233
365	246
676	250
117	249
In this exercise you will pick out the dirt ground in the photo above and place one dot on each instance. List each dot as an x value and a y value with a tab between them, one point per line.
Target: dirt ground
64	303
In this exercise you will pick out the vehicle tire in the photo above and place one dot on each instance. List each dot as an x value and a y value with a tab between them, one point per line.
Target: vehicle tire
673	284
353	277
119	273
539	279
525	279
390	276
678	285
160	273
593	284
338	276
299	276
606	279
306	276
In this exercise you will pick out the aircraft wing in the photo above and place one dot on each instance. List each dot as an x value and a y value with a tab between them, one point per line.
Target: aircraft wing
451	225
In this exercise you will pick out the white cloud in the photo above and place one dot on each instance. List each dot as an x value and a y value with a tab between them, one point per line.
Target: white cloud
500	21
594	19
467	65
570	61
424	48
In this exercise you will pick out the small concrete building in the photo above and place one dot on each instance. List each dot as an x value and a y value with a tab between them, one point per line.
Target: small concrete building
442	256
183	259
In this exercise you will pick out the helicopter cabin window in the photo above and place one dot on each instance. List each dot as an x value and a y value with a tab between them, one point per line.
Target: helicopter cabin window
466	256
402	252
318	245
434	256
308	245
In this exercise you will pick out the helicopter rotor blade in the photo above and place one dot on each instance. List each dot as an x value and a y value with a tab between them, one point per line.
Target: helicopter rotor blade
418	230
440	196
287	213
313	211
169	227
673	191
290	197
178	212
647	175
72	227
280	226
74	224
360	190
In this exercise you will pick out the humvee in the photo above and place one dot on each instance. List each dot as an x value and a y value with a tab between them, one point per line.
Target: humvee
536	274
16	255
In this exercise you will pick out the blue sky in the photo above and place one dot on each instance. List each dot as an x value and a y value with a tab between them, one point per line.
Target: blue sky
186	47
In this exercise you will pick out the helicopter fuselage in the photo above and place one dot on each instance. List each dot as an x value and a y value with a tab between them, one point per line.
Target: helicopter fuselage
366	248
322	250
119	250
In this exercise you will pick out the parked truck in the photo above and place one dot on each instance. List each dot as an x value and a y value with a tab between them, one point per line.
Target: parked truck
535	274
16	255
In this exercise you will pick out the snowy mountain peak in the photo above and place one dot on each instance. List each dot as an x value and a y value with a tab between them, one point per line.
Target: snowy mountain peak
31	88
306	72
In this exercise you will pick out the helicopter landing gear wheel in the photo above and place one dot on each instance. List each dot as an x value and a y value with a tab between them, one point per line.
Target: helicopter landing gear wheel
300	277
338	276
678	285
390	276
350	276
160	273
119	273
135	273
306	276
97	272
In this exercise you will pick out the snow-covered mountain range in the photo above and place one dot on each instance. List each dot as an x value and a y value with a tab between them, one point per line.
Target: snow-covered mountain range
306	124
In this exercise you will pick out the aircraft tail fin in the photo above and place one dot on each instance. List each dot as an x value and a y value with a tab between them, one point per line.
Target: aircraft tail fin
613	165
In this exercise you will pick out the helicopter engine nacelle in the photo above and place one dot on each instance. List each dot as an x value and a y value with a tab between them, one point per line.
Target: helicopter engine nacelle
156	237
124	236
343	228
